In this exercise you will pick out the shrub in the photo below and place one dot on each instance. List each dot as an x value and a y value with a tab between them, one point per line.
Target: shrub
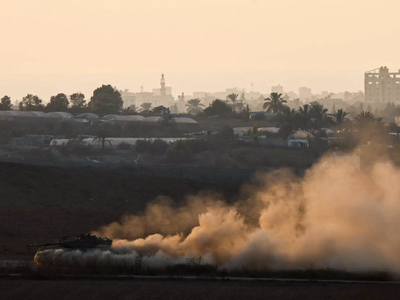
198	145
142	146
158	147
218	107
226	133
123	146
178	152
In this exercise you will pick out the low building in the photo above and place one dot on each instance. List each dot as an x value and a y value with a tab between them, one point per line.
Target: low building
185	124
152	119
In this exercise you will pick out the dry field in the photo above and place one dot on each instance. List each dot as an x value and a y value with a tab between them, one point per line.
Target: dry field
38	204
136	289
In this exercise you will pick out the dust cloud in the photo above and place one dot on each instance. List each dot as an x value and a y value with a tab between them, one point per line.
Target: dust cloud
336	216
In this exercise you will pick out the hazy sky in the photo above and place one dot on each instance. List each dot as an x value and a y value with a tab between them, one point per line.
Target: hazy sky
51	46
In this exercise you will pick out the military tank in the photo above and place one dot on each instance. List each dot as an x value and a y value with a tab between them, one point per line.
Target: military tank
79	242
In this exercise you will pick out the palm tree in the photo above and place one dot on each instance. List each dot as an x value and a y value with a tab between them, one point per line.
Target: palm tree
339	116
305	110
161	110
296	102
233	97
305	117
131	110
274	103
364	116
145	107
102	138
289	121
288	116
319	115
240	105
369	128
194	106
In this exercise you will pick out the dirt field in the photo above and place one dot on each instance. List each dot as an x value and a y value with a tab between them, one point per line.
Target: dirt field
39	204
84	289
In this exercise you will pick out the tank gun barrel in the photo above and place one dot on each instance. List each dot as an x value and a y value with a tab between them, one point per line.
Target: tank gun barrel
83	241
43	245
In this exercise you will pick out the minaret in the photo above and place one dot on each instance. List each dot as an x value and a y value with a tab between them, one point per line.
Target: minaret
162	90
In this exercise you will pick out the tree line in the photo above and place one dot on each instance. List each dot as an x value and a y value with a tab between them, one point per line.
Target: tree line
105	100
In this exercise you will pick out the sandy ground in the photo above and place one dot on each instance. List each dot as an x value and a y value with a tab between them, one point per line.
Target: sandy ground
91	289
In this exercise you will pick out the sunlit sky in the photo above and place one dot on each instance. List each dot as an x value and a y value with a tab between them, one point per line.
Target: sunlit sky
52	46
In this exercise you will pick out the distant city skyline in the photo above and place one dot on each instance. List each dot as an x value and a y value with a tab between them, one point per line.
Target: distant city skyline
45	86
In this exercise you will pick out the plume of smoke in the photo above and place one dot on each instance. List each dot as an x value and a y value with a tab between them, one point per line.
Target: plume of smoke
335	217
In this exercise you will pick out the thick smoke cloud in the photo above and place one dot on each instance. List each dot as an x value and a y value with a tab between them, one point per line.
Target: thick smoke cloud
333	217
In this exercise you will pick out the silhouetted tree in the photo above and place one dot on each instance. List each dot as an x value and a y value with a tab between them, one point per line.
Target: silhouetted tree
5	103
274	103
145	107
194	106
369	128
106	100
31	103
240	106
218	107
78	103
57	103
364	118
289	119
101	138
339	116
296	102
233	97
161	110
131	110
319	115
304	121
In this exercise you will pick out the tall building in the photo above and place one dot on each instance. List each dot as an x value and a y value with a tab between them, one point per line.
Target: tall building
128	97
304	92
277	89
163	91
382	86
160	96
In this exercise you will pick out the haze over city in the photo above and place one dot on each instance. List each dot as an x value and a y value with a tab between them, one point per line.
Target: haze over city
69	46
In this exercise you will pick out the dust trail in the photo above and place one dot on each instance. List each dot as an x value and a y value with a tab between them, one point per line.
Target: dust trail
335	217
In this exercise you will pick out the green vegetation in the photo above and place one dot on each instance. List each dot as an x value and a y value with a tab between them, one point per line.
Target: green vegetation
106	100
178	152
5	103
58	103
218	108
145	107
78	103
194	106
274	103
31	103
